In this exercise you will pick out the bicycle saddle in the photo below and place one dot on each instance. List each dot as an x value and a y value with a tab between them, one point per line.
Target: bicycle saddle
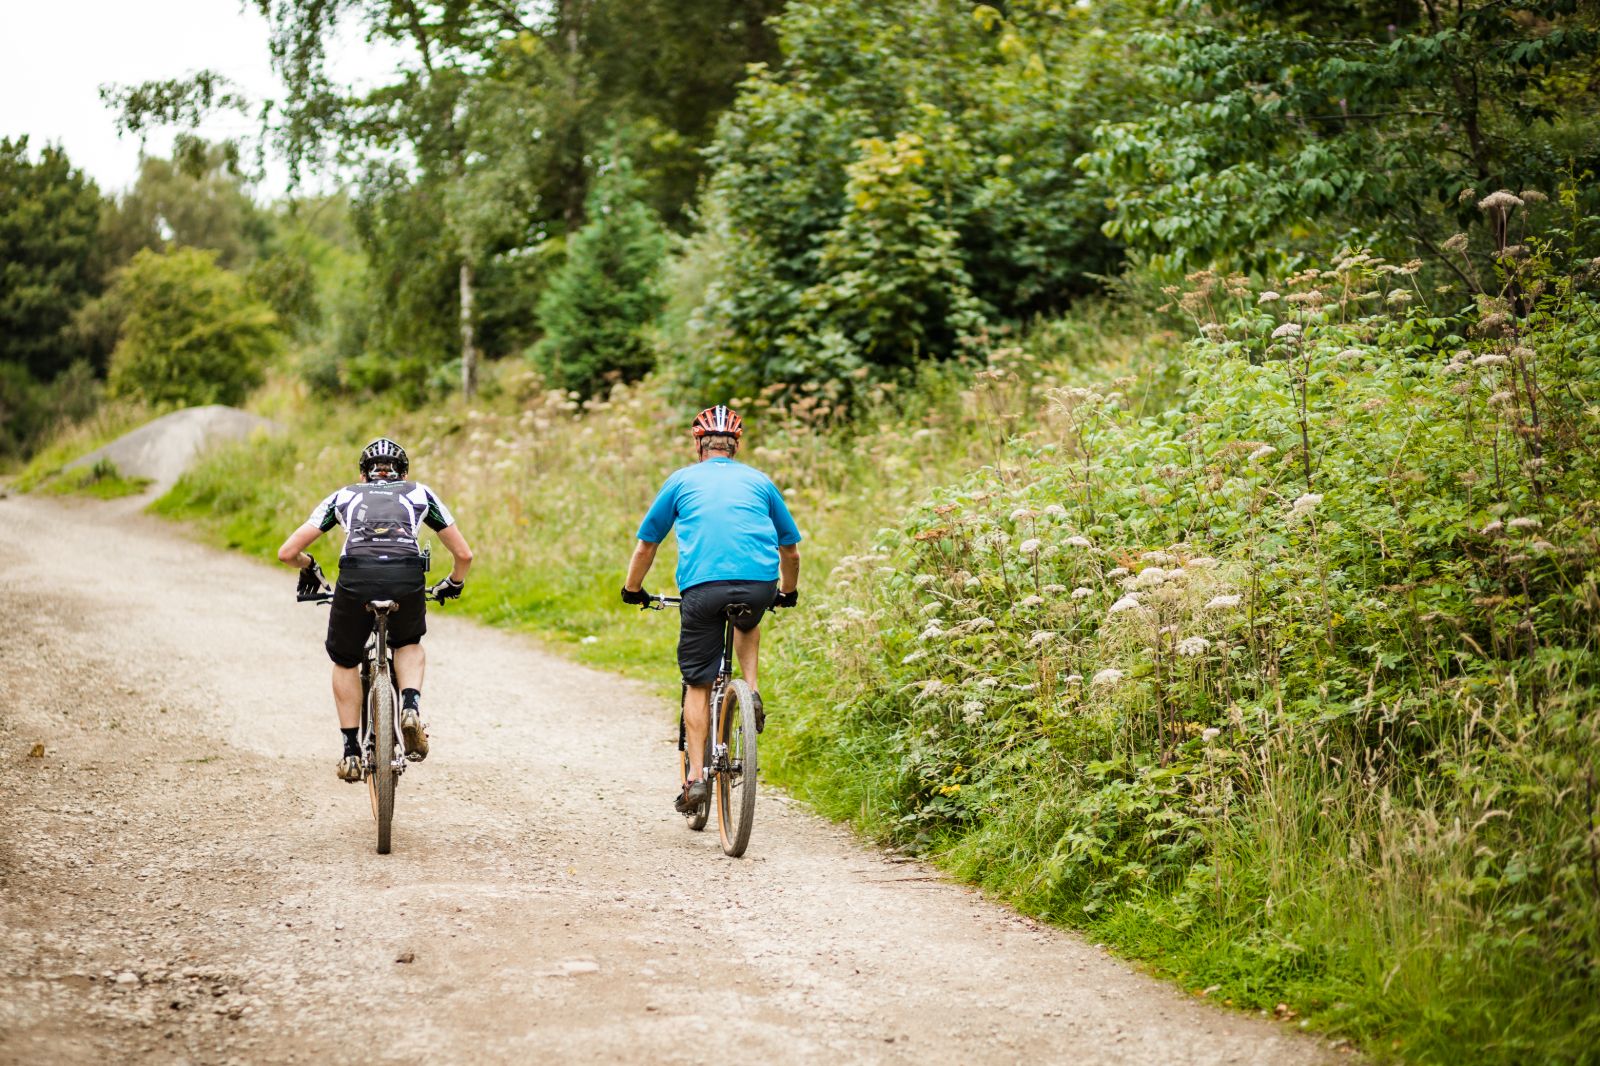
382	606
738	610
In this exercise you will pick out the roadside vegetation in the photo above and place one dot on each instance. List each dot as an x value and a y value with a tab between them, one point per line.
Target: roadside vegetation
1190	412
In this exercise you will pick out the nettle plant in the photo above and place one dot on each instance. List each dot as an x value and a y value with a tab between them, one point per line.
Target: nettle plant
1358	552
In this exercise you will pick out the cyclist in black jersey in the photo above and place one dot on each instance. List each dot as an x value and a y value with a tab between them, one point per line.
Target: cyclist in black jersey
382	515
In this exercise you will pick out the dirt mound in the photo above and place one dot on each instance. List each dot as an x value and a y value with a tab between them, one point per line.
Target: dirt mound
163	449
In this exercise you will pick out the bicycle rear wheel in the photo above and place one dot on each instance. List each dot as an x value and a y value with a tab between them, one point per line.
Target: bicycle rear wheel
736	781
702	814
380	706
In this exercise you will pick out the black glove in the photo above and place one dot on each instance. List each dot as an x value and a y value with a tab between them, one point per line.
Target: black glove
448	589
786	599
640	598
312	583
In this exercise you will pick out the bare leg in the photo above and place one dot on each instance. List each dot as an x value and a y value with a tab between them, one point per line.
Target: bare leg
410	662
747	648
347	695
696	720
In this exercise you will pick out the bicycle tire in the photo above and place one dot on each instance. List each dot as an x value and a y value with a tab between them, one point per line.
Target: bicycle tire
381	706
702	814
736	785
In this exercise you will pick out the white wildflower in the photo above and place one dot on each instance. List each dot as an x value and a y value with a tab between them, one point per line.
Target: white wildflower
1532	196
922	581
1079	542
1107	677
1263	452
1031	601
920	653
1072	679
1268	297
931	687
1040	638
1211	734
988	682
1082	593
1055	510
1399	296
1503	200
971	711
933	631
1217	603
1498	398
1525	523
1126	603
1029	546
1055	590
1493	528
1458	243
1021	514
1490	359
1150	577
932	608
1158	558
1192	646
971	582
1116	572
1201	562
1539	547
1523	352
1304	505
1290	330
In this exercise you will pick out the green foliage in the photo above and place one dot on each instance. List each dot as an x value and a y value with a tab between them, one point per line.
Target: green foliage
196	199
192	334
903	178
49	260
1273	126
601	303
1289	686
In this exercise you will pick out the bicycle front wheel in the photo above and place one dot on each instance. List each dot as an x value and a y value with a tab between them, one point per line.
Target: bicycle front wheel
736	778
380	708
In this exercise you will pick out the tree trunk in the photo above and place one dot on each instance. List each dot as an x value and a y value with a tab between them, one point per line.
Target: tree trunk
469	345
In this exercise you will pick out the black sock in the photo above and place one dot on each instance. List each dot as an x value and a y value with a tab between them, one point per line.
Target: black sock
352	740
410	697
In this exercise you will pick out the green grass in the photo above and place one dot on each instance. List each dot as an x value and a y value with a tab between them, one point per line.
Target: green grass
100	480
47	469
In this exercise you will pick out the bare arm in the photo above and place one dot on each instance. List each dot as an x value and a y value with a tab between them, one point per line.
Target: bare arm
293	552
644	554
788	567
450	536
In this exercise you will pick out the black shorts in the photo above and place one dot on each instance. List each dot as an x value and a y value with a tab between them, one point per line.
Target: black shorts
360	582
700	635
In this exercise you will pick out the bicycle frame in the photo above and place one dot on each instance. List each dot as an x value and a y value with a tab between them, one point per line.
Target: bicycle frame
719	688
378	652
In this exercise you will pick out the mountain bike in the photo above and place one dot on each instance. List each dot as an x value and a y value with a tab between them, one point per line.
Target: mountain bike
730	755
383	759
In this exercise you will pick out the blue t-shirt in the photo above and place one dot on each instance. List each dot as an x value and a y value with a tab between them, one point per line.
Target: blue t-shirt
730	521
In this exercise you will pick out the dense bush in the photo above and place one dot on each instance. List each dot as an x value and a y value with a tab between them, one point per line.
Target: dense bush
901	180
1291	685
192	334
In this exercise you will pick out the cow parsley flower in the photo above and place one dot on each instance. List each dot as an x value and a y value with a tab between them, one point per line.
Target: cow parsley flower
1304	505
1268	297
1079	542
1217	603
1106	678
1029	546
1503	200
1116	572
922	581
1031	601
1525	523
1021	514
1192	646
1126	603
1055	510
1150	577
1290	330
1082	592
1490	359
1263	452
1040	638
1072	679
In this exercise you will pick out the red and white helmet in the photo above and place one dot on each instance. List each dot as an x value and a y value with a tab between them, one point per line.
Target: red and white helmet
718	421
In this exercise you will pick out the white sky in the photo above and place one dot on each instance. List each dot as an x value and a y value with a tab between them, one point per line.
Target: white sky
55	55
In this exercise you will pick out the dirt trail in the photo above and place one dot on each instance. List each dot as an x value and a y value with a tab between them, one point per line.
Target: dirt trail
182	879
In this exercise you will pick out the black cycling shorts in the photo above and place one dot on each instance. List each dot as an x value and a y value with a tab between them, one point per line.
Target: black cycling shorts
360	582
700	634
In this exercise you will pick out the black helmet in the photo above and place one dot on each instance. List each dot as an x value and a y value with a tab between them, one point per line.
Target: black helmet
384	450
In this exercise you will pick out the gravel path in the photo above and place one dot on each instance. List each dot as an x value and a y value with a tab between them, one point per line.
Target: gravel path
182	879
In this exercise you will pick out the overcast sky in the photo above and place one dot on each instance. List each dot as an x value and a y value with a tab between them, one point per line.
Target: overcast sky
55	55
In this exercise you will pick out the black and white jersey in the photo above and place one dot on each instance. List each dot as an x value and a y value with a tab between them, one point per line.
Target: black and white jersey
381	519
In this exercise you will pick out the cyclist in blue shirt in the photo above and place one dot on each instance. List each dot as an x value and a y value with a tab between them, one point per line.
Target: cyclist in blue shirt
737	543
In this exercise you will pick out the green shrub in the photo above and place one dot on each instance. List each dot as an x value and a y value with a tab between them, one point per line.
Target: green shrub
1292	686
601	303
192	334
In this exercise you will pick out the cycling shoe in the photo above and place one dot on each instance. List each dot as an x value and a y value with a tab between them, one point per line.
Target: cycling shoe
692	797
414	735
349	769
761	713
